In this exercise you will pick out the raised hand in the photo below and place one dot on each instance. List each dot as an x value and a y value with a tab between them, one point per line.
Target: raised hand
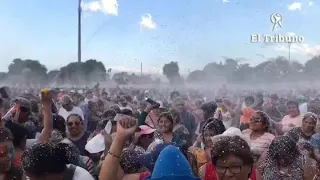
126	127
46	97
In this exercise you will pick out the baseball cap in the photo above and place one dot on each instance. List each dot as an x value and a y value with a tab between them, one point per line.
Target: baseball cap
22	102
144	129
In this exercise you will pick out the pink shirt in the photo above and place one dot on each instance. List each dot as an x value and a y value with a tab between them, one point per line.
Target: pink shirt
261	144
287	120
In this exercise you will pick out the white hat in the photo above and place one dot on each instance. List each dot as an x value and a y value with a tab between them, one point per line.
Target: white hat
231	131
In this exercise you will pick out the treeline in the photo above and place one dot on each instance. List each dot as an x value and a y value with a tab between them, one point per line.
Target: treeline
32	73
277	69
29	72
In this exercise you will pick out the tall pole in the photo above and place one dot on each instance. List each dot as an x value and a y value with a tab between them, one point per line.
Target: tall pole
290	52
79	31
141	69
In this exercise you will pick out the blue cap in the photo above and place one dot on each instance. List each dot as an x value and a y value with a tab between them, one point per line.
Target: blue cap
172	165
148	160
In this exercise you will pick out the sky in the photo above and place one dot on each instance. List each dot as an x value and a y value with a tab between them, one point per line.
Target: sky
124	33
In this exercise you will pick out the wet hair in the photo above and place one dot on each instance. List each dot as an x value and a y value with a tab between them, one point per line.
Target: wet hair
59	124
294	134
166	115
91	104
174	93
282	145
294	103
310	115
249	99
44	158
175	114
110	113
55	137
127	112
265	120
116	108
209	108
129	161
215	125
284	148
231	145
72	153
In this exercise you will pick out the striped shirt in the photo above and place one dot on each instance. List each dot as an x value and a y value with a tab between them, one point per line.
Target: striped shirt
261	144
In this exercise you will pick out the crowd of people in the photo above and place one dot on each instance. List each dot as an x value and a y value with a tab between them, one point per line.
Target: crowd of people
138	134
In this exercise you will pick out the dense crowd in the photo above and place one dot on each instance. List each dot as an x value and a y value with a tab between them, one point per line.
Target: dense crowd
159	134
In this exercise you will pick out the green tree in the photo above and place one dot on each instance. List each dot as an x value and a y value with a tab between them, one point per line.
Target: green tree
171	70
196	76
312	66
79	73
121	77
27	72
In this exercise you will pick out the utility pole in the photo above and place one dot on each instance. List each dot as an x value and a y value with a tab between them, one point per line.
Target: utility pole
141	69
79	30
290	52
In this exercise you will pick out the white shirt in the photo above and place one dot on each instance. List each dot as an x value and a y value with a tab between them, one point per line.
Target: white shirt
65	114
81	174
303	108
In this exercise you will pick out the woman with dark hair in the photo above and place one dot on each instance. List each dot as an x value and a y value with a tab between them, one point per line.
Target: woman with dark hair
293	119
166	134
59	124
8	170
48	161
179	128
203	146
258	133
304	133
231	159
93	117
19	140
285	161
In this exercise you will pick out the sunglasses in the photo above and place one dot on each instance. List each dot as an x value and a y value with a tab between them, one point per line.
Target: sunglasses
77	123
253	119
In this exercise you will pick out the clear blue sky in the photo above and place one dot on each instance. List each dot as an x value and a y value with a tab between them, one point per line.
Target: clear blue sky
188	31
